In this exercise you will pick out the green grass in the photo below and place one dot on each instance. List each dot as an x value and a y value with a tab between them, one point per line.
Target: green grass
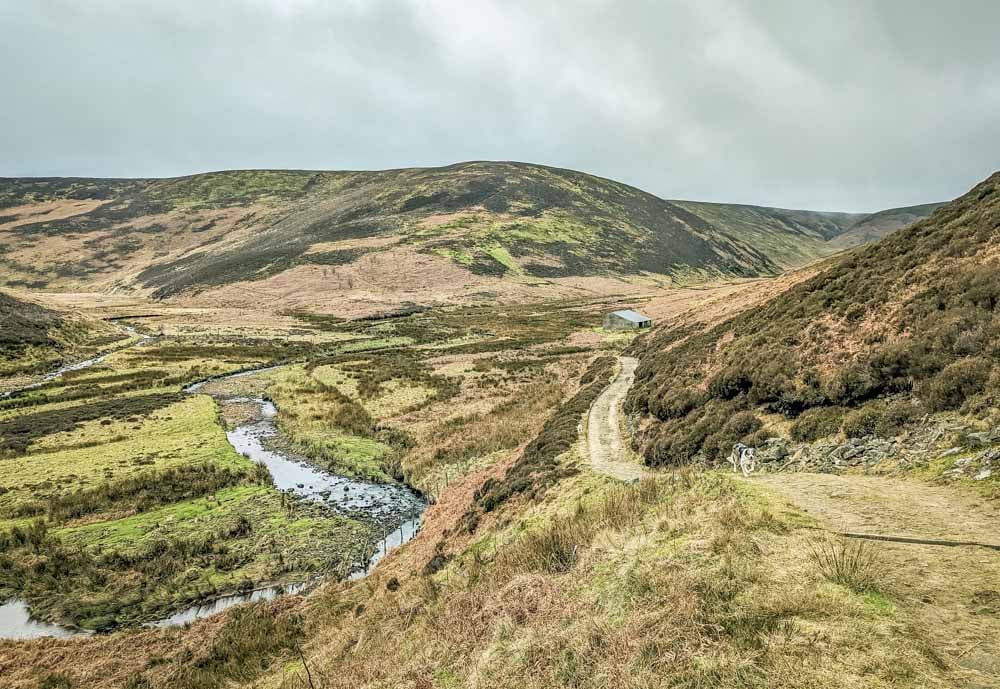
503	257
285	540
138	567
123	538
327	425
459	256
95	453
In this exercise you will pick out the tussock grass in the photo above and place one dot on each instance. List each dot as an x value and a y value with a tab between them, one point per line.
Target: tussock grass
242	649
556	547
853	563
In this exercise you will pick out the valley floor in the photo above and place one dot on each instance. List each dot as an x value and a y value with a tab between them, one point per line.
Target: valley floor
536	565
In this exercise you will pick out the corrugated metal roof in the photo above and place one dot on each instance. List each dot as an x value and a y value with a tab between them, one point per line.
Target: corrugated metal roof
630	315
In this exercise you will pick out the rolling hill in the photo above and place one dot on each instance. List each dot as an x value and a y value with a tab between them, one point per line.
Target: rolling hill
497	229
790	237
878	225
887	334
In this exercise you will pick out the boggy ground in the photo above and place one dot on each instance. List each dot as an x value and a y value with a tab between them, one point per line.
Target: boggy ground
122	500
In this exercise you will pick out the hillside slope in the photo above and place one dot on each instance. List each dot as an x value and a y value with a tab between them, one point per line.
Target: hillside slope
878	225
34	338
888	333
791	237
299	237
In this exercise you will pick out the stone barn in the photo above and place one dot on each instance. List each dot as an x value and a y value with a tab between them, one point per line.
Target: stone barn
627	319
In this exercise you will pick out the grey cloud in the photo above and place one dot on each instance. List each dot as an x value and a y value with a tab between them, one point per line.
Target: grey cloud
842	105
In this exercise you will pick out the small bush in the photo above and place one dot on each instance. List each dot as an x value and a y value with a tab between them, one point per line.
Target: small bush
729	383
739	428
742	424
676	406
863	422
898	416
958	381
851	384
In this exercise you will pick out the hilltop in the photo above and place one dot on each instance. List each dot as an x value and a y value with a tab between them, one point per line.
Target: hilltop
883	336
357	241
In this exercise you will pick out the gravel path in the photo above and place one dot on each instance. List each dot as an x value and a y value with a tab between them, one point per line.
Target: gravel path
604	439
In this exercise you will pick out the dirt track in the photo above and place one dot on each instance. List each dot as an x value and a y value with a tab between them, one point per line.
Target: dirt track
604	440
953	592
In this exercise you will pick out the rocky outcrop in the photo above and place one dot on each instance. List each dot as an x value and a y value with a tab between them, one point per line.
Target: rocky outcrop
976	456
781	455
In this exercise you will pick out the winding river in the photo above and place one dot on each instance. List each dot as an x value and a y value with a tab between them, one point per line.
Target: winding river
395	508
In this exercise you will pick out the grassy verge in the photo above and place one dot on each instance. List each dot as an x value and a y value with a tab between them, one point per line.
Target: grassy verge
665	583
322	423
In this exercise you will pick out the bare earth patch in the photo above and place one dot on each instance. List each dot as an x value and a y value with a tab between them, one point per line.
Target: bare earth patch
47	211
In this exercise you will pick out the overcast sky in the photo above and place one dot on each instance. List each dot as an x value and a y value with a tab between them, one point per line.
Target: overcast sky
841	105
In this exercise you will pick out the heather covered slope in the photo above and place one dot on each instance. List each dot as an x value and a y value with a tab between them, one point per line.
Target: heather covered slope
795	237
886	334
25	323
304	238
791	237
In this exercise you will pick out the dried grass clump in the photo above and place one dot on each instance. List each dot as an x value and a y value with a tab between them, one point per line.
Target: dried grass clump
856	564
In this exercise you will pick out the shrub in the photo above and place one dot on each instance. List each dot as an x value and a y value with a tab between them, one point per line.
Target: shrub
958	381
897	416
817	423
738	428
851	384
729	383
863	422
675	406
742	424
